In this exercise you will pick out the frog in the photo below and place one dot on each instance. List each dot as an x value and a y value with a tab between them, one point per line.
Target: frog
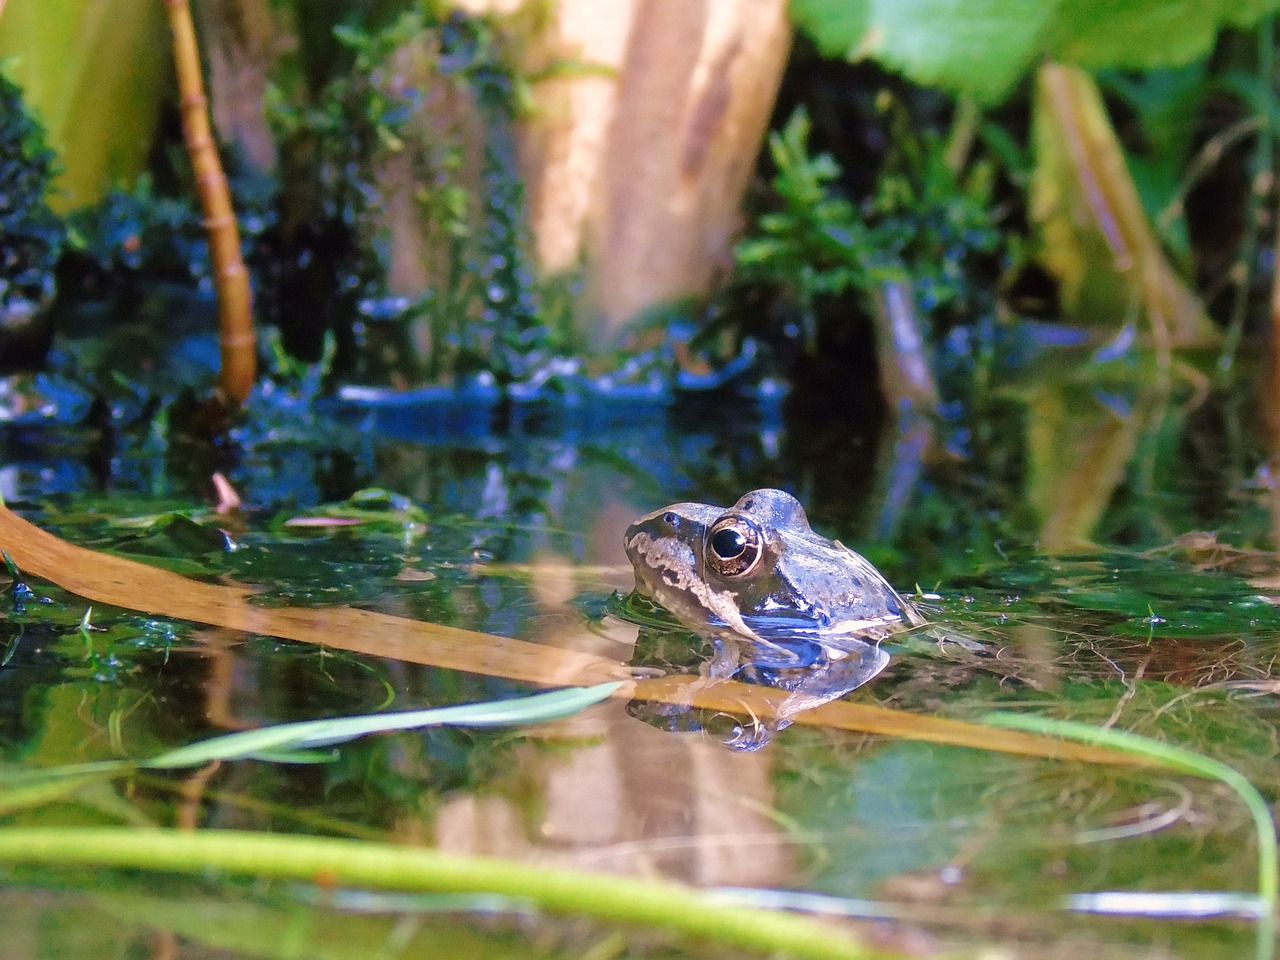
757	572
783	606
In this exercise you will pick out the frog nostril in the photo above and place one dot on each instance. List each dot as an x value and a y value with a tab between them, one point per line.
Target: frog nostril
671	519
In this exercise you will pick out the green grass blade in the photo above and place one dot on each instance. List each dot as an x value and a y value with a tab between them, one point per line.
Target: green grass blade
308	734
1187	761
377	866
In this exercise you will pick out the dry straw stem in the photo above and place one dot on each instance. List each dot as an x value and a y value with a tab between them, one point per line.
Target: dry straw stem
235	300
112	580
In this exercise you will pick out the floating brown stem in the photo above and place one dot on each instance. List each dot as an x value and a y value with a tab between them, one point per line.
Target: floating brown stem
104	578
231	280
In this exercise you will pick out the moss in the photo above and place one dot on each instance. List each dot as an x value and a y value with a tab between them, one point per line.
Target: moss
31	235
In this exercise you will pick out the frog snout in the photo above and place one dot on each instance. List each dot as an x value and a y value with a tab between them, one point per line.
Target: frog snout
630	543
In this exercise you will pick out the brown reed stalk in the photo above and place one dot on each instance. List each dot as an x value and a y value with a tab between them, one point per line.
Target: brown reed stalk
231	281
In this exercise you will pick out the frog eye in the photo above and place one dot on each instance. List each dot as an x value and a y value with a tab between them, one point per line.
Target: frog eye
734	546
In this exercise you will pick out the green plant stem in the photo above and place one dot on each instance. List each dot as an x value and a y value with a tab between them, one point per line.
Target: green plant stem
1186	761
964	128
386	867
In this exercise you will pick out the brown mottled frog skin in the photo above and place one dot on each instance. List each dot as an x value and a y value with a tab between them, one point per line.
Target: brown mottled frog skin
756	571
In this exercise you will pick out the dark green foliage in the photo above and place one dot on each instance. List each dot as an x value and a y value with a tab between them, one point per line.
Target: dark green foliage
921	224
31	235
138	235
354	98
336	130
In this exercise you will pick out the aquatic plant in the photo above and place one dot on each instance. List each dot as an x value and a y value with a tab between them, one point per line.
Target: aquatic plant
923	224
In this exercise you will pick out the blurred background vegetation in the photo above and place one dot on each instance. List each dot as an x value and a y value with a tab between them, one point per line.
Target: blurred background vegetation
1039	238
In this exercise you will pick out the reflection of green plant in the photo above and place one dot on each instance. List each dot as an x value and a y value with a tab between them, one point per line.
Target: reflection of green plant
31	236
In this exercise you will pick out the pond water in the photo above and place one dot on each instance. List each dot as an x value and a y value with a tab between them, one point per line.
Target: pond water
936	845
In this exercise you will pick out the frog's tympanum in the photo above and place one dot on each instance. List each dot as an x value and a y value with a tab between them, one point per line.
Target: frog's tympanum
785	606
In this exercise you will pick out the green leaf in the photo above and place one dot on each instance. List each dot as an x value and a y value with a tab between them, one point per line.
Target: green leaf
980	47
287	738
983	47
578	893
1145	33
94	71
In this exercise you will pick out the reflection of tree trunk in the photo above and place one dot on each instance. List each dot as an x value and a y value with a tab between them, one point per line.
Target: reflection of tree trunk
1275	491
616	794
906	376
634	800
908	386
1273	399
222	685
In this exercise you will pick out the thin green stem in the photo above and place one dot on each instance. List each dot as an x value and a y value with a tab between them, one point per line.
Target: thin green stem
1186	761
386	867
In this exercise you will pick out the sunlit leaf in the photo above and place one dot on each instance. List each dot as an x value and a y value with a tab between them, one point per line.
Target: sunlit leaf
1144	33
94	72
980	47
983	47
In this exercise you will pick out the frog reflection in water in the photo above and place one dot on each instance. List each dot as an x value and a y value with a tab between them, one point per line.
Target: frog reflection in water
785	606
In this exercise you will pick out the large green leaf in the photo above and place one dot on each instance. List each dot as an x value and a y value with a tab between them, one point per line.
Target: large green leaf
94	71
982	47
1144	33
979	46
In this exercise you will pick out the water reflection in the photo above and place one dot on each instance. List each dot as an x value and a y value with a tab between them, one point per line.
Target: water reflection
809	672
